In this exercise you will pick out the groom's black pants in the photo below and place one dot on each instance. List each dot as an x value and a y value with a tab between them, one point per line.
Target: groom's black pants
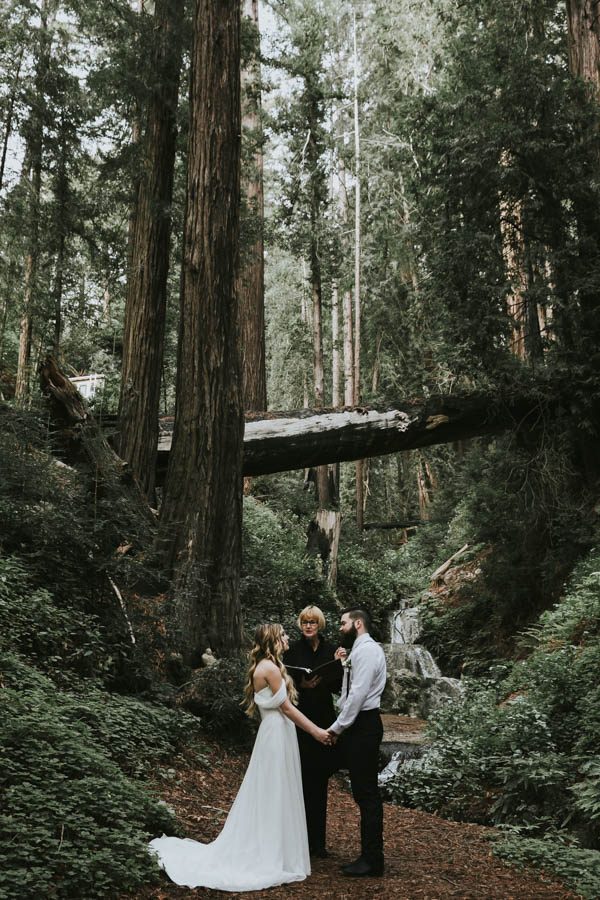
359	752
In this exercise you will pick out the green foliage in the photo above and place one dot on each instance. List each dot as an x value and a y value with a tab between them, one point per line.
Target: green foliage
577	868
45	634
489	763
75	816
369	577
523	513
523	751
58	534
278	579
216	696
73	823
287	339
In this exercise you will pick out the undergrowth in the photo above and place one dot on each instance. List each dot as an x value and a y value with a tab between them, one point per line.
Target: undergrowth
521	749
76	808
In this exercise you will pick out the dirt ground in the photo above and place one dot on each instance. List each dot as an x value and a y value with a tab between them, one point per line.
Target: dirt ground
427	858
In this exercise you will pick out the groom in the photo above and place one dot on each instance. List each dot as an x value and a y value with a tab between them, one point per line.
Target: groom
360	730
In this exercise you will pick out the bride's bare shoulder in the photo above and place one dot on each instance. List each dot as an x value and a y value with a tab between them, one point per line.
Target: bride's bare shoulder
263	673
265	667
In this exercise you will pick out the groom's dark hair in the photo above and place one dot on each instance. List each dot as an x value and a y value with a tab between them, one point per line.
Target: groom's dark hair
355	613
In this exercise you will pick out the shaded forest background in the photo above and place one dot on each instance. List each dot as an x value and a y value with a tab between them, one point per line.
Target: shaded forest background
413	210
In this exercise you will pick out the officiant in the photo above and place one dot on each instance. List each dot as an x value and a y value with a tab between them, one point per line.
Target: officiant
315	700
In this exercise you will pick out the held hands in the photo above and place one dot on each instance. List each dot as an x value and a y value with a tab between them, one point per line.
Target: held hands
340	653
324	737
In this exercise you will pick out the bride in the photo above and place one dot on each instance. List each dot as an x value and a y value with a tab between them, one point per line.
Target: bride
263	842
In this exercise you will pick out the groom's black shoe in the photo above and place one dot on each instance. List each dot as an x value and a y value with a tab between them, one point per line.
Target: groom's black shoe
362	868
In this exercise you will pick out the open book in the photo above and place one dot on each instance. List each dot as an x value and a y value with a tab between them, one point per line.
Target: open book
330	672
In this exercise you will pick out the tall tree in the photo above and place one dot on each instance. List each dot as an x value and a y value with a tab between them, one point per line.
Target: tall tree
32	169
251	283
360	465
143	332
10	111
202	509
583	17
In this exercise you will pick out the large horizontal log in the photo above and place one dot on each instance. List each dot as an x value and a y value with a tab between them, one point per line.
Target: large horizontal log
395	526
279	442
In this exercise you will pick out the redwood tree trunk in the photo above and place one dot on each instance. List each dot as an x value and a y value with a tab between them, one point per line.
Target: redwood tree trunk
61	195
348	344
202	510
143	334
584	40
360	465
136	136
33	166
8	121
251	283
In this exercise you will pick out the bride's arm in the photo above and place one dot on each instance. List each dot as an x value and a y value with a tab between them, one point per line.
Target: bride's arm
299	719
274	680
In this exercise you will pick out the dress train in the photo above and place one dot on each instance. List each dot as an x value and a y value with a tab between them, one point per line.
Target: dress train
264	841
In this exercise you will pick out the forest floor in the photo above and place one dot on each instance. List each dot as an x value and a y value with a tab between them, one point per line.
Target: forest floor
427	858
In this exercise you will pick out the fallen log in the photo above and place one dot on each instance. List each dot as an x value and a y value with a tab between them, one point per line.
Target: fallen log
441	571
83	441
279	442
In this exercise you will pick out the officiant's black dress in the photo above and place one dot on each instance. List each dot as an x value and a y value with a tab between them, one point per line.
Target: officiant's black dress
318	762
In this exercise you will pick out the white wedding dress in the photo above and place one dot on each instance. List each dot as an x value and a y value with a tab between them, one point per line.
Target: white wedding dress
264	840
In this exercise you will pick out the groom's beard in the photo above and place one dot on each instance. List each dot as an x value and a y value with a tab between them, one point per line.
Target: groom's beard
348	637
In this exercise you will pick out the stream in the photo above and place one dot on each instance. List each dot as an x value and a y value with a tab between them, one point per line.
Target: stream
415	686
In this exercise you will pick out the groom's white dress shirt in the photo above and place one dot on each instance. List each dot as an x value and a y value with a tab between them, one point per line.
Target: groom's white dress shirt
367	676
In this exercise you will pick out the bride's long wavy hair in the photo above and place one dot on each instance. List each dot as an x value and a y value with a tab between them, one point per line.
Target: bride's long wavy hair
268	644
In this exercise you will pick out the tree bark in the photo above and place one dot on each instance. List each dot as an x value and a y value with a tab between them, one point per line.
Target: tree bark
583	38
9	115
145	309
251	281
136	136
33	166
336	397
61	194
202	508
522	309
359	469
348	345
10	280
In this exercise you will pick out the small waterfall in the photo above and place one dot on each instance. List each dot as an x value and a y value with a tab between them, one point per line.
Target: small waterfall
416	685
406	626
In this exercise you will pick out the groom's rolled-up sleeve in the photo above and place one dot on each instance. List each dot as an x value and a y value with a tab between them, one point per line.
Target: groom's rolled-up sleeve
363	670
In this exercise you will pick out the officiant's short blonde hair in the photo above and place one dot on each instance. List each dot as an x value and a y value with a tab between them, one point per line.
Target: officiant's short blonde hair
312	612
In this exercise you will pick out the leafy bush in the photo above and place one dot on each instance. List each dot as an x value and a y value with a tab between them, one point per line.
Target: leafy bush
578	869
43	513
72	823
523	751
487	763
32	624
528	508
215	695
371	580
63	525
278	579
